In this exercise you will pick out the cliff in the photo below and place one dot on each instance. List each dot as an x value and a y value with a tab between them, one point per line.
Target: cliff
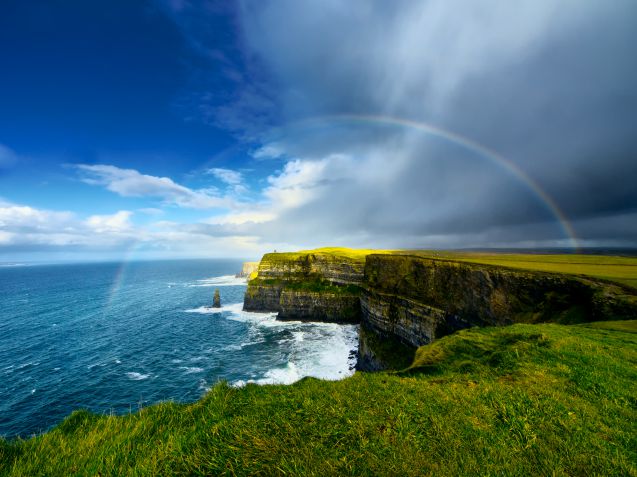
310	286
404	301
419	299
248	269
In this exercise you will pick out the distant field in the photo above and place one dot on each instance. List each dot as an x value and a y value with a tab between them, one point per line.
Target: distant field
614	268
618	269
351	253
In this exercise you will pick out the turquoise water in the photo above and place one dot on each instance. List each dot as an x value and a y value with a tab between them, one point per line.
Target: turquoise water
113	337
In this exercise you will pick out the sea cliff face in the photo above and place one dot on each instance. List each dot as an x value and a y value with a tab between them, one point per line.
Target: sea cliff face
339	270
306	305
406	301
418	299
312	286
248	269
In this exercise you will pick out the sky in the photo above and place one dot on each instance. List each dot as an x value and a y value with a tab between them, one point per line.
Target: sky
184	128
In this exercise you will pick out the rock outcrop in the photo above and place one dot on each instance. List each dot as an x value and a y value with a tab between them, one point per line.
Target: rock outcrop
405	301
216	299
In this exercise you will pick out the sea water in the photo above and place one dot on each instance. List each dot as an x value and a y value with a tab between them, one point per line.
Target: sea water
114	337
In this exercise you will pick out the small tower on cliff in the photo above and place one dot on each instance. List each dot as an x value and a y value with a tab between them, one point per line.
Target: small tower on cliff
216	301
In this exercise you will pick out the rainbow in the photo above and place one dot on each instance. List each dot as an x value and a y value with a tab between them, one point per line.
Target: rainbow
120	274
470	145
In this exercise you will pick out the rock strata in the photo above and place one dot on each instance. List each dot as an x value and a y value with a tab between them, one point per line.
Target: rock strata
412	300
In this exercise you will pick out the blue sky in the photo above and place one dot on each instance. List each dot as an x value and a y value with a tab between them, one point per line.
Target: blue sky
179	128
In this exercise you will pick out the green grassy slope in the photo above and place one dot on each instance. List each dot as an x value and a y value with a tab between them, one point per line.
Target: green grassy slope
520	400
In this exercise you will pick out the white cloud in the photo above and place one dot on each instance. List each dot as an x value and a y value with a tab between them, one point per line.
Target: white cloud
28	229
22	225
239	218
228	176
271	150
118	222
297	184
25	217
6	237
131	183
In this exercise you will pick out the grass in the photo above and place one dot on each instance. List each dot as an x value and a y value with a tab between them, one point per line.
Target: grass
353	254
617	269
520	400
613	268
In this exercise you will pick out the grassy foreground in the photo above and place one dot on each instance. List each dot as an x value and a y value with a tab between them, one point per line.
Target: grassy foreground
519	400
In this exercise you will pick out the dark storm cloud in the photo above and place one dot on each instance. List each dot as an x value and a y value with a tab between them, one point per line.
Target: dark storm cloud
551	86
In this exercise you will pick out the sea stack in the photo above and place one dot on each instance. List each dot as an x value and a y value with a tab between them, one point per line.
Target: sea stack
216	301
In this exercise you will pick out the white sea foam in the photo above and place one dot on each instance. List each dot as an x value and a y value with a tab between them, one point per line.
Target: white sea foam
137	376
208	310
222	281
191	370
203	386
232	347
320	350
251	343
26	365
261	319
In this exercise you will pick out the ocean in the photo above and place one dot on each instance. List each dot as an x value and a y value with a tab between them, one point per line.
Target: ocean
114	337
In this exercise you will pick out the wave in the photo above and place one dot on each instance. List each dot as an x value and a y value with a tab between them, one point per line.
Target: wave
26	365
320	350
191	370
208	310
137	376
258	318
222	281
203	386
236	313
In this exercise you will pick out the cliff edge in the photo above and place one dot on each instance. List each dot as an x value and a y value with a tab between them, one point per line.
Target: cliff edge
248	270
405	300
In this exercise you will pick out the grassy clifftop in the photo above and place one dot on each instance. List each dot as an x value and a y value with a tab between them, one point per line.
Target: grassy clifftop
521	400
617	269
